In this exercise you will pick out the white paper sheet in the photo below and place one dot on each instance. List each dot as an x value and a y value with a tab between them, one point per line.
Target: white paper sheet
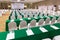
43	29
10	35
29	32
12	20
54	27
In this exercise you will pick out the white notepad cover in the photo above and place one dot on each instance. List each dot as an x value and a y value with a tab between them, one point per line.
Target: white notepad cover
10	36
29	32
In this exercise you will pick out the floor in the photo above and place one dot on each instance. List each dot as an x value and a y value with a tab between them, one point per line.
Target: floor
3	19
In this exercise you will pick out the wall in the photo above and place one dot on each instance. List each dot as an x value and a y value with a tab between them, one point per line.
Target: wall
4	5
47	2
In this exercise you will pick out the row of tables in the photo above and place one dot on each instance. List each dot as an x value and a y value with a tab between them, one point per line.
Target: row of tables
28	20
16	13
36	33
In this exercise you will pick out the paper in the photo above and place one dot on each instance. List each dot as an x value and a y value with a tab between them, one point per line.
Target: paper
21	19
10	36
29	32
12	20
36	24
46	39
56	37
29	18
36	18
54	27
43	29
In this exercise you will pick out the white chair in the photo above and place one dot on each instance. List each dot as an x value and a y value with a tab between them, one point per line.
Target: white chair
41	21
18	14
58	20
56	37
30	15
41	14
58	12
25	16
53	20
47	21
13	14
19	17
12	26
23	24
33	23
13	17
46	39
45	14
36	15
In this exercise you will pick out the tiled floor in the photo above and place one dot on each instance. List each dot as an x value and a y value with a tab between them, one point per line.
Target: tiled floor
3	19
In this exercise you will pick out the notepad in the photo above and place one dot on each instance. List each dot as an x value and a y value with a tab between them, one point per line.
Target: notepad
43	29
29	18
46	39
56	37
10	36
54	27
29	32
36	24
12	20
21	19
35	17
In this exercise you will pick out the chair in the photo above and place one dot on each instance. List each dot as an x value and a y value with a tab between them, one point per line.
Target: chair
37	12
46	39
13	14
56	37
31	15
58	20
25	16
36	15
47	21
13	17
18	13
23	24
41	21
53	20
19	16
12	26
33	23
45	14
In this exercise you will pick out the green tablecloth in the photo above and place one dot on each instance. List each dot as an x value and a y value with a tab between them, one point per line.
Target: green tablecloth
38	34
3	35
